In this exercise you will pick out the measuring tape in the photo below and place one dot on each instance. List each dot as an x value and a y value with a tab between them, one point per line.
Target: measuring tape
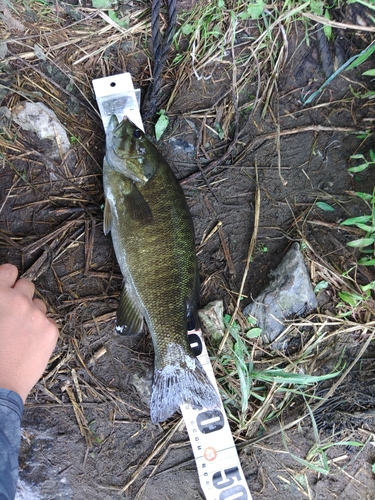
219	469
220	473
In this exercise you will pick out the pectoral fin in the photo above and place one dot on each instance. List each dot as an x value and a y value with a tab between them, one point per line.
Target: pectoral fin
107	222
129	320
137	206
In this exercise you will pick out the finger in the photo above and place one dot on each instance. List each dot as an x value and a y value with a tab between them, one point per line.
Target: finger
8	275
26	287
55	330
53	333
40	305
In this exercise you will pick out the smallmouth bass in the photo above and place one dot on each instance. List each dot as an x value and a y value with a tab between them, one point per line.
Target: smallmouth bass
153	238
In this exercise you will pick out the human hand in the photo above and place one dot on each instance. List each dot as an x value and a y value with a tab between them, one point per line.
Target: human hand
27	336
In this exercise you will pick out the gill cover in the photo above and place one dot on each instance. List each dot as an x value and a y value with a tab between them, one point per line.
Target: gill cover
128	151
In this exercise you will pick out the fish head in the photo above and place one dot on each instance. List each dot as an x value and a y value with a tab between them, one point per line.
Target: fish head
128	150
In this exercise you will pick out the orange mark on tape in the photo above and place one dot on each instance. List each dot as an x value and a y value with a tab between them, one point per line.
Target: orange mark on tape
210	454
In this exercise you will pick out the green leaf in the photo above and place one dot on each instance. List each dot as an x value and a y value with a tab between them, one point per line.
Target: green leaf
356	220
370	72
369	286
350	298
361	242
316	7
187	29
220	131
227	319
358	444
320	286
362	135
161	124
328	31
123	22
373	468
252	320
102	4
281	377
309	465
254	10
358	168
324	206
365	54
253	333
364	196
366	261
368	229
327	28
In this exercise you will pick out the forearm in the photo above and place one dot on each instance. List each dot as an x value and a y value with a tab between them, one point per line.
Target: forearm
11	408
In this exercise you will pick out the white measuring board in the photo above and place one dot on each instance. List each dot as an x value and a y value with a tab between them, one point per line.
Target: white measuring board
116	95
219	469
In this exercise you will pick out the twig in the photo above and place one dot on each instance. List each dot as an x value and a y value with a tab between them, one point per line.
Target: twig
226	251
163	441
336	24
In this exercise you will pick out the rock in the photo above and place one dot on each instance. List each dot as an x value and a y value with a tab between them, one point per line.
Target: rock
143	384
37	118
5	116
180	144
6	16
289	294
211	317
40	478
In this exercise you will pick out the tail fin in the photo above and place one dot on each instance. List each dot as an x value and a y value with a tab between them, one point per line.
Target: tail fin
182	381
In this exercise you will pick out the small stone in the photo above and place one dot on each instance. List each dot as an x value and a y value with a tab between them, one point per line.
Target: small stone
37	118
5	117
211	317
289	294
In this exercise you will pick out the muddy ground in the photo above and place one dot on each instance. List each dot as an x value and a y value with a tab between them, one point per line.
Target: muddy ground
86	426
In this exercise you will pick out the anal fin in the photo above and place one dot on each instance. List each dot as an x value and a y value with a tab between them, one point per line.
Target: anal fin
129	320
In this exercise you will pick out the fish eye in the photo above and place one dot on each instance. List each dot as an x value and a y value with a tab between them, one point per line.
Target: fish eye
137	133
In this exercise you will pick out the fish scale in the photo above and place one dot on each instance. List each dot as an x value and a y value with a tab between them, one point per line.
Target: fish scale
153	238
167	254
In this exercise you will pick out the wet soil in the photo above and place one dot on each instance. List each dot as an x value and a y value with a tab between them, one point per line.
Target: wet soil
86	426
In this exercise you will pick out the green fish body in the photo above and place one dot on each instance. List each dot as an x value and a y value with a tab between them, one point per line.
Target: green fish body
153	238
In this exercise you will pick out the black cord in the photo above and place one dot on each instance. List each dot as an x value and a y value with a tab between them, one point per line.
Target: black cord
160	49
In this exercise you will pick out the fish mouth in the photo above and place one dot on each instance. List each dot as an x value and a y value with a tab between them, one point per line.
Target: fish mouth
120	126
123	124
